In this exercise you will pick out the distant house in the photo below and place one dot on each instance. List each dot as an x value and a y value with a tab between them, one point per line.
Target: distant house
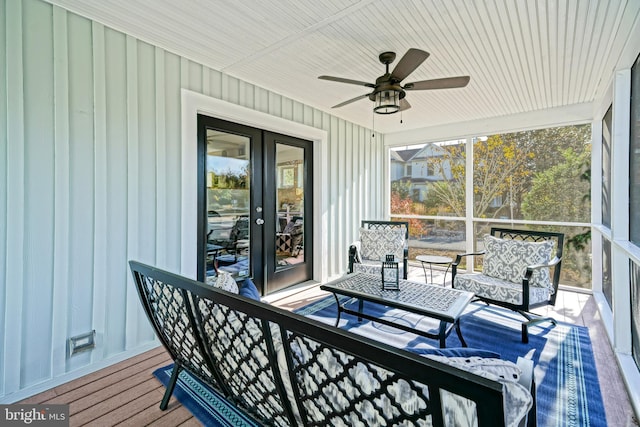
421	166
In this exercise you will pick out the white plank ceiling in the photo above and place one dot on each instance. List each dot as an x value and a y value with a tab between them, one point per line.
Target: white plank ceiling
522	55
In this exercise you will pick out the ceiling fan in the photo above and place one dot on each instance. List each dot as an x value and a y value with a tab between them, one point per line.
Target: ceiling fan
388	93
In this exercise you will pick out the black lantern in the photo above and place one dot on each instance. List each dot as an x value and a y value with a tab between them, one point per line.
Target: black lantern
390	274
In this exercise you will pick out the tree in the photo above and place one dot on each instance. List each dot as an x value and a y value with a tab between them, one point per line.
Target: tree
501	167
401	188
580	241
450	191
402	203
504	169
556	193
500	170
548	144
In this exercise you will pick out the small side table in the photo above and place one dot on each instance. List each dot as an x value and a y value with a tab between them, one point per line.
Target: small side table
434	259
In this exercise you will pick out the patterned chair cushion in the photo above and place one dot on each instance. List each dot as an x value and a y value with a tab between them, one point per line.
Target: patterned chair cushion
374	267
347	381
376	244
294	227
507	259
498	289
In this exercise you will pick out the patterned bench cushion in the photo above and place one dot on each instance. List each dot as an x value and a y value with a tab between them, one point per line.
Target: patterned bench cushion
224	281
517	399
498	289
507	259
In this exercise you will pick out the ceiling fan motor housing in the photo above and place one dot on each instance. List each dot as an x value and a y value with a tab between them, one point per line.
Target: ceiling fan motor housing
384	84
387	57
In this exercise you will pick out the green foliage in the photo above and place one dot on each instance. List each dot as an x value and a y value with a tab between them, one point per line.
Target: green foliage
507	168
501	169
448	195
402	189
580	242
548	144
556	193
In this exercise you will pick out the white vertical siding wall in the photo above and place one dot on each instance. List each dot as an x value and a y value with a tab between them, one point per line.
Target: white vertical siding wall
3	191
90	161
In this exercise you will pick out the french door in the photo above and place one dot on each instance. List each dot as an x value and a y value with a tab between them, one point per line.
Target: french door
254	204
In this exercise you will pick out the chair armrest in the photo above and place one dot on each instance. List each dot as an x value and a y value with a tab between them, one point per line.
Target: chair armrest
405	262
531	268
454	264
554	280
551	263
354	255
460	256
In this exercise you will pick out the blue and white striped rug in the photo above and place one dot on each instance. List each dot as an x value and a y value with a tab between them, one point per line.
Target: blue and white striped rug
207	405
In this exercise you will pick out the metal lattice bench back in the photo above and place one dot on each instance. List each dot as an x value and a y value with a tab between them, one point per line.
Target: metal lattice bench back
285	369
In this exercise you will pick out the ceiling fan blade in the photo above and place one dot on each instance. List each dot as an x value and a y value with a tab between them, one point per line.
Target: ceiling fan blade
446	83
409	62
342	104
404	104
341	80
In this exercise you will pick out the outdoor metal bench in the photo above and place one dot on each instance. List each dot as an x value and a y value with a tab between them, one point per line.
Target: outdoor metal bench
283	369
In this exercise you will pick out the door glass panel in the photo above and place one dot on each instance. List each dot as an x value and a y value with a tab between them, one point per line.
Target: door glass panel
289	205
228	203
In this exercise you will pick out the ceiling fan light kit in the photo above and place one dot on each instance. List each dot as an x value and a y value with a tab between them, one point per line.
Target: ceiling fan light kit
387	102
388	94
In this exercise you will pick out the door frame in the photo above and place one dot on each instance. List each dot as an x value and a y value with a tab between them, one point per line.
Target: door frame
194	103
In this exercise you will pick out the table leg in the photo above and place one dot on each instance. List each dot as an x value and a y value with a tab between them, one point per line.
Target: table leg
442	334
459	332
444	280
424	270
339	309
360	308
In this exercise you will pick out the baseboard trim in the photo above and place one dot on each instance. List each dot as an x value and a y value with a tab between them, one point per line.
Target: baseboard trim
70	376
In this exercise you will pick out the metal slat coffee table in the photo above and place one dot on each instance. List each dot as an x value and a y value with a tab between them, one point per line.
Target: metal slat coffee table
443	304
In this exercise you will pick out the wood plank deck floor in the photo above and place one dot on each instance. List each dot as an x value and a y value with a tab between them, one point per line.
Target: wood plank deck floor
127	393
